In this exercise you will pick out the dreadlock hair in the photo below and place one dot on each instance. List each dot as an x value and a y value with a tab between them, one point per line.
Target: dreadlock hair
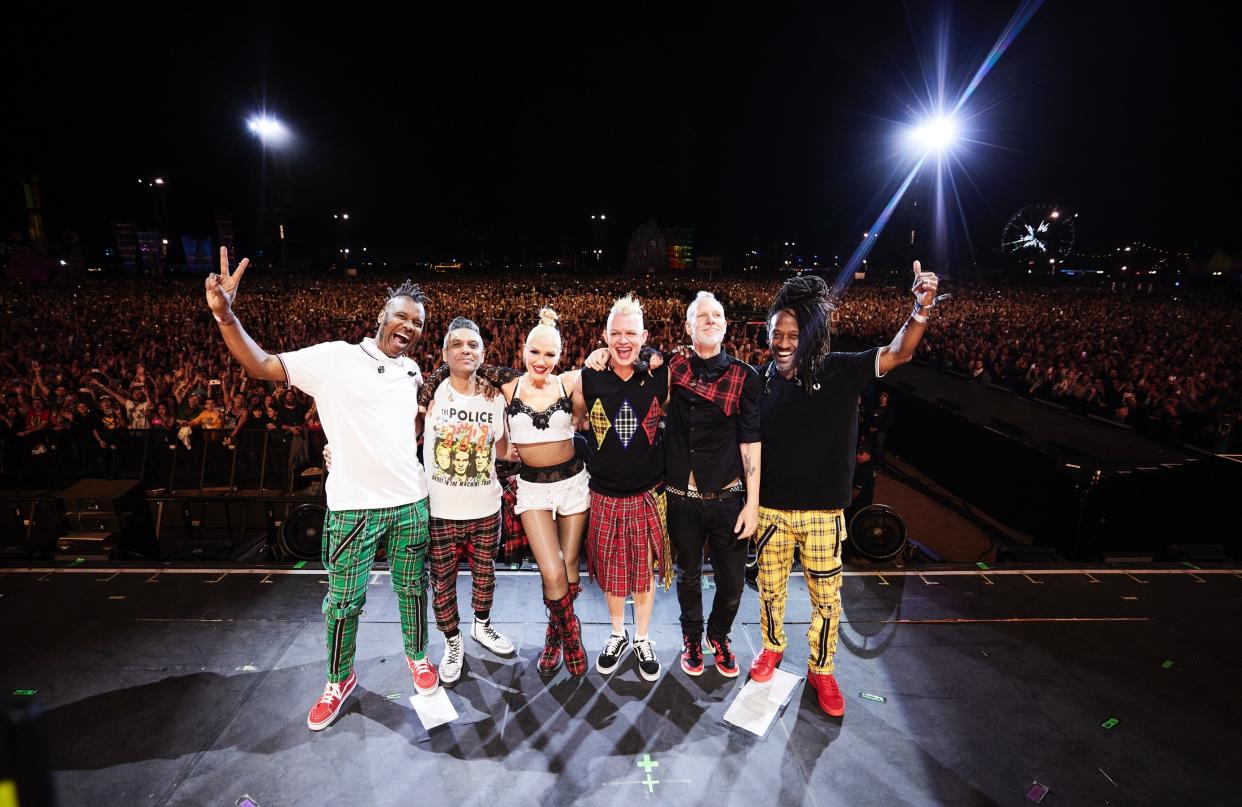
407	289
808	299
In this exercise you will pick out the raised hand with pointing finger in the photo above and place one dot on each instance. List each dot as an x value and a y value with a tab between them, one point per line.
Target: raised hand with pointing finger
925	285
901	349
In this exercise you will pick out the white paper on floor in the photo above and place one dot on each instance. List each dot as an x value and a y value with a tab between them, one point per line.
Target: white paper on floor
757	705
434	710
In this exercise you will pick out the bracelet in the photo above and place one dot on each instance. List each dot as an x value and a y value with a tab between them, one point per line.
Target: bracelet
919	318
227	319
919	306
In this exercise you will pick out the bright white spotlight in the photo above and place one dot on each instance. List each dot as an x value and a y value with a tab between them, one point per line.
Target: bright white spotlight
270	130
934	134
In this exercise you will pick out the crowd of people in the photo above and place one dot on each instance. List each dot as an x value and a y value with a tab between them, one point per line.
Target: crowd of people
1166	365
81	364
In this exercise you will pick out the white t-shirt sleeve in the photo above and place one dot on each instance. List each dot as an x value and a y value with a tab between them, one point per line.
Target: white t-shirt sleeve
308	369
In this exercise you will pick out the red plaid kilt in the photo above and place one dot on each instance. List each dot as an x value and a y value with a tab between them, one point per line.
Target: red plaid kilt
512	536
625	533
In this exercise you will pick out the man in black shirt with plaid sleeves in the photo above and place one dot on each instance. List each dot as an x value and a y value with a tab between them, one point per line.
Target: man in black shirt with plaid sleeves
711	453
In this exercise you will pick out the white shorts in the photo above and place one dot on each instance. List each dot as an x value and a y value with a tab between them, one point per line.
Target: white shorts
568	496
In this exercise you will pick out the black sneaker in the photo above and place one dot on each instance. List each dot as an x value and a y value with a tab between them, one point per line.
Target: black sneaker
726	664
614	650
648	664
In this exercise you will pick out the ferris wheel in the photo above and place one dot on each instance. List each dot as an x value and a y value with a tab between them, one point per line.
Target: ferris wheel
1040	231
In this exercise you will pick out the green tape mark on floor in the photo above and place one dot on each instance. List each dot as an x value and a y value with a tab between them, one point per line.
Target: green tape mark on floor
1112	721
26	692
982	566
77	561
1167	664
1189	565
301	564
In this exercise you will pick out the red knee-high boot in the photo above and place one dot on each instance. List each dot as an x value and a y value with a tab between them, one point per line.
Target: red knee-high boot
571	634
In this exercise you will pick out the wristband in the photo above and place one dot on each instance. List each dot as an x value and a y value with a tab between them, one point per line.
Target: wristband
917	317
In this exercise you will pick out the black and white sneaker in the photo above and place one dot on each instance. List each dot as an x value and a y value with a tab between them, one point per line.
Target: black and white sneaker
648	664
613	652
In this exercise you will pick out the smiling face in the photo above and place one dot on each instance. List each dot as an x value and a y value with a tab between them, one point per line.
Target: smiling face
463	352
400	326
706	324
624	336
783	340
541	355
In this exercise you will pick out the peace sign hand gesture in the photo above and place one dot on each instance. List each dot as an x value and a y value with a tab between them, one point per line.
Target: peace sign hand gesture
222	288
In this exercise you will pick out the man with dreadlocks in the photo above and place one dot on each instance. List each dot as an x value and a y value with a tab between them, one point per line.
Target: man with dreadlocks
809	419
367	395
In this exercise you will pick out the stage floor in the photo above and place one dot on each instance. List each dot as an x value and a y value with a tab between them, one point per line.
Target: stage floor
191	687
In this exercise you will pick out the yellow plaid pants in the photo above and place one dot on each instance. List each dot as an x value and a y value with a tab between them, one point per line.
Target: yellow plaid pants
819	535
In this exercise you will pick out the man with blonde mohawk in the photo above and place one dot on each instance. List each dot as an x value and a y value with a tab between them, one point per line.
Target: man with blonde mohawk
625	404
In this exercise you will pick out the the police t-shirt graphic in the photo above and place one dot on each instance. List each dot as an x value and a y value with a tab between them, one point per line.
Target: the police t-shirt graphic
459	453
463	452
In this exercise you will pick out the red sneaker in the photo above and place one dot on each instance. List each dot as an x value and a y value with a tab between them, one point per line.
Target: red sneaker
764	665
829	693
426	679
726	663
692	653
329	706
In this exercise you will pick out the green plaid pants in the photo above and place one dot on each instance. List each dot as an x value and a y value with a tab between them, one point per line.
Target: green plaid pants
351	538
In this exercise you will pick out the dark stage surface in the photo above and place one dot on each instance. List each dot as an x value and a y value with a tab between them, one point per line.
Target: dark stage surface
191	687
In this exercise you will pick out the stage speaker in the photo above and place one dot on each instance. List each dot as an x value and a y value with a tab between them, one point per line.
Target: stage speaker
301	534
28	527
203	529
117	506
92	546
878	533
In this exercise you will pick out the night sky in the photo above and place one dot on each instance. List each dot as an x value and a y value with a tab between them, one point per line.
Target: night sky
441	129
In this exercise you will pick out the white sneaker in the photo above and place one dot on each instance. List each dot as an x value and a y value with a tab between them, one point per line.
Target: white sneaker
450	665
486	635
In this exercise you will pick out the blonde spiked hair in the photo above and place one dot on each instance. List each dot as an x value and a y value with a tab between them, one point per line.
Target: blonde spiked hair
628	304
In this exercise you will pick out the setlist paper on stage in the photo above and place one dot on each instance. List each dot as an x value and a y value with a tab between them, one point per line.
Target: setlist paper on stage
757	705
434	710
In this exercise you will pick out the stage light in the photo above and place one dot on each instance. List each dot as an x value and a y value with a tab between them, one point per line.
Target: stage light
159	181
270	130
934	134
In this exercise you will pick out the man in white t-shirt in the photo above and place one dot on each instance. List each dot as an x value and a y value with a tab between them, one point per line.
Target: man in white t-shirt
465	427
367	397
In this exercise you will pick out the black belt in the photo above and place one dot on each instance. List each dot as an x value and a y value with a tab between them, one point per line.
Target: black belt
551	473
709	495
